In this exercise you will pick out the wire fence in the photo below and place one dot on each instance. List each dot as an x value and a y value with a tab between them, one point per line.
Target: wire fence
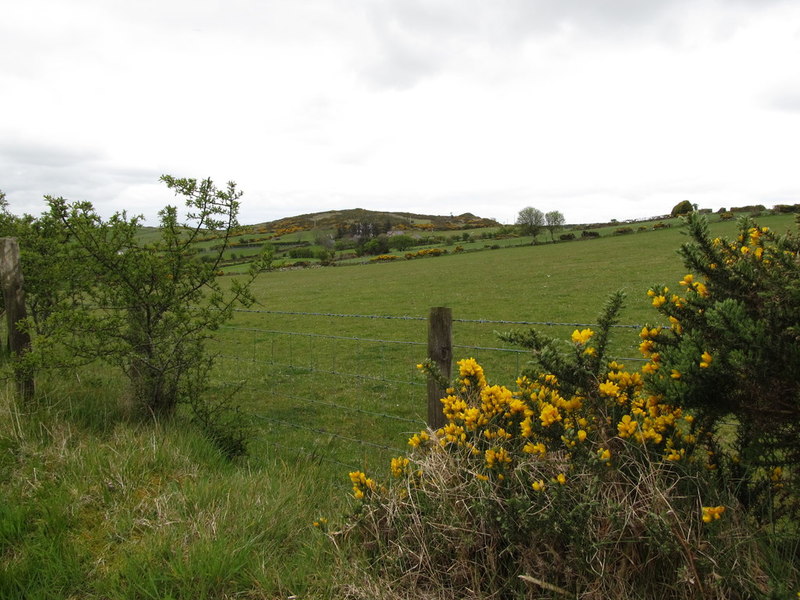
344	388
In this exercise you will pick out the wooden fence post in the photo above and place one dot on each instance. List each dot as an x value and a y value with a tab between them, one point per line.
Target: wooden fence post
14	299
440	351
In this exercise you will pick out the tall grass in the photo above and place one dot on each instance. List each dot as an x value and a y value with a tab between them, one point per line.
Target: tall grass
93	505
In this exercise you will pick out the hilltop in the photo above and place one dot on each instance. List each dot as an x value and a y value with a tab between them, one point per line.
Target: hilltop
335	219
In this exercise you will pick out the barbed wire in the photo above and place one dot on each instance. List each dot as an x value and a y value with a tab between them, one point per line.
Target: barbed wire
413	318
547	323
509	350
321	314
523	351
322	335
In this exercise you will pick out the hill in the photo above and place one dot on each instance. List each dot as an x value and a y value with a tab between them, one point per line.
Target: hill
337	219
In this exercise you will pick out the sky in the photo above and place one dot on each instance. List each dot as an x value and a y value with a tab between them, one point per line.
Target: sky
599	109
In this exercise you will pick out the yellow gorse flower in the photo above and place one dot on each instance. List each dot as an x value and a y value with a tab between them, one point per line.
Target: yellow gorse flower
549	414
705	360
581	337
417	439
399	466
609	388
626	426
361	483
712	513
497	458
538	448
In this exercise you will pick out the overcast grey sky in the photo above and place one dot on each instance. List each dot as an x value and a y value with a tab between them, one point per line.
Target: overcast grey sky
599	109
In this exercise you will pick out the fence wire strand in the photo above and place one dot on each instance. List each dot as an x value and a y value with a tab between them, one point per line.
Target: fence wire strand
413	318
335	315
322	335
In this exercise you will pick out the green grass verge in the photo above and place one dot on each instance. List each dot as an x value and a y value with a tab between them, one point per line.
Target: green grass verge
93	505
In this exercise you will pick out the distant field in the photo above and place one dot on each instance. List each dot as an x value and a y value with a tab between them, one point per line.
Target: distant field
562	281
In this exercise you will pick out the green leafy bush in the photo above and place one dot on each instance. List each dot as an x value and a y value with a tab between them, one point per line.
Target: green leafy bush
146	308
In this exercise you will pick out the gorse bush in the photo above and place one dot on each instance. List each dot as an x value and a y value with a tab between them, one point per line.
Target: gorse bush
591	480
579	481
731	353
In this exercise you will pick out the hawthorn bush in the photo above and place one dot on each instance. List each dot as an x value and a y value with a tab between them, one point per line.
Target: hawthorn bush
146	308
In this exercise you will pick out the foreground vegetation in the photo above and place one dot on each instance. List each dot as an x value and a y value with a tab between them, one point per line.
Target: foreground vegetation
96	505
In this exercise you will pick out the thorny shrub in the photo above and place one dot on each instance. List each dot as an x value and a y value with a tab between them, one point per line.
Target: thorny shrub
731	353
578	482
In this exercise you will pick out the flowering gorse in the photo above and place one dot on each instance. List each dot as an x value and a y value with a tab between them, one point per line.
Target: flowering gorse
730	354
577	455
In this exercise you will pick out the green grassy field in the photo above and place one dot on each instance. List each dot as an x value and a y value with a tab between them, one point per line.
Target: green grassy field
304	374
93	505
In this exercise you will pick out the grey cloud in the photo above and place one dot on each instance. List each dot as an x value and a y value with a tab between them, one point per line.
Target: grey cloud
783	100
44	155
31	171
415	39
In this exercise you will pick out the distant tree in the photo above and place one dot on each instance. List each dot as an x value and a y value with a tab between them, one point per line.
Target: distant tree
554	221
374	246
530	221
401	242
683	207
324	239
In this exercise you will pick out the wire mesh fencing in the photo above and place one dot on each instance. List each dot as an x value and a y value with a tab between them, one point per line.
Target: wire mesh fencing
344	388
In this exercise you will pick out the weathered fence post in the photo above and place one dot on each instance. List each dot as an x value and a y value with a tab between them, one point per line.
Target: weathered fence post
440	351
14	299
